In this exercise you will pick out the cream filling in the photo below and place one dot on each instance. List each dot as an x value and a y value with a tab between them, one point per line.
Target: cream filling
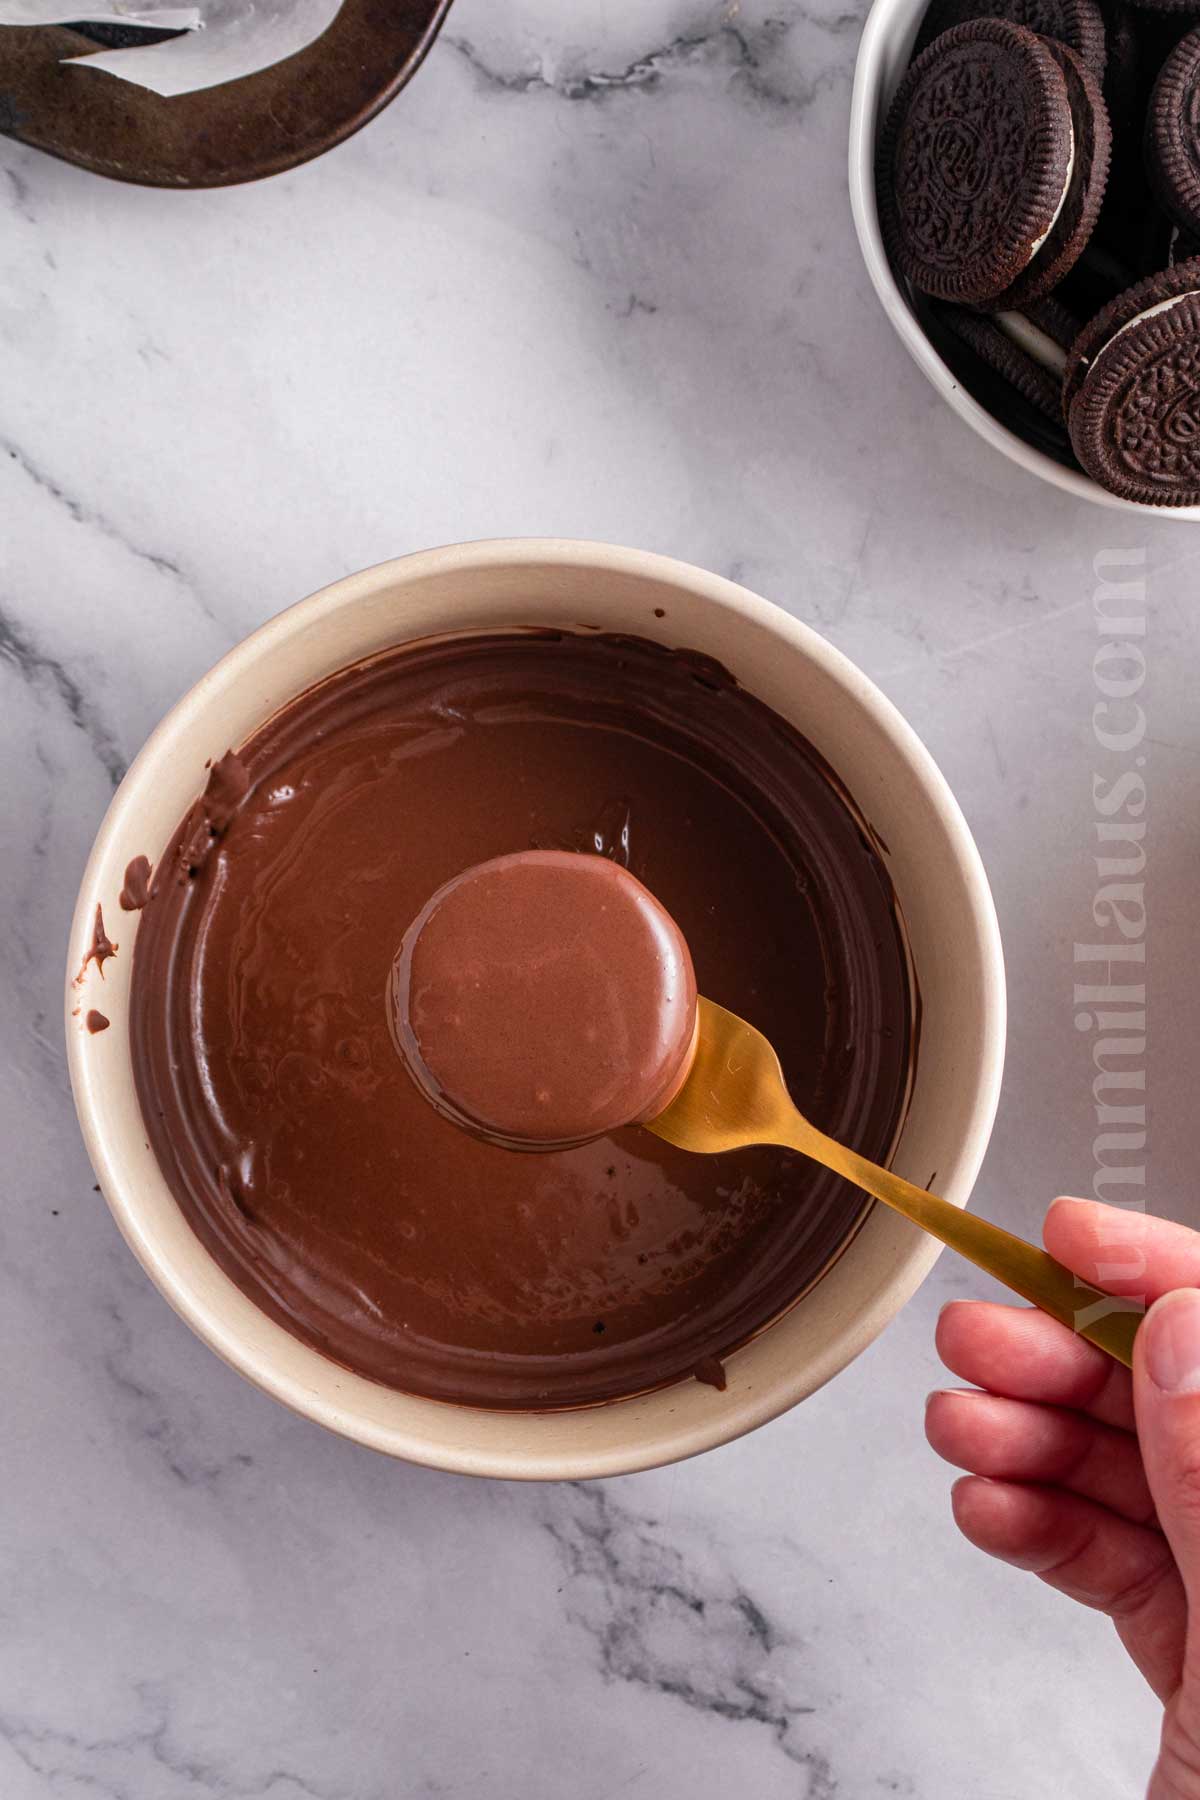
1062	198
1033	340
1151	312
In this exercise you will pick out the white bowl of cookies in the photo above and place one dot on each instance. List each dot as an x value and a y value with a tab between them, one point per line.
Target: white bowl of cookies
1025	183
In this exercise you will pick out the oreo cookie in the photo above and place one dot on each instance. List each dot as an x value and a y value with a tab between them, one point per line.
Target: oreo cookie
1132	390
991	165
1029	349
1057	321
1079	24
1173	133
1077	216
1040	164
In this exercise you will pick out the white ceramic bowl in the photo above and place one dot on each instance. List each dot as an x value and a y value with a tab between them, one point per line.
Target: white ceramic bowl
883	56
937	873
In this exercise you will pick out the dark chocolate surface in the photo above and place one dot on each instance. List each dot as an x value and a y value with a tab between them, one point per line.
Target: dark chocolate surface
301	1152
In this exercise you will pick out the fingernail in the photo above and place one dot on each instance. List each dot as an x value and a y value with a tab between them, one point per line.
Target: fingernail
972	1481
1172	1342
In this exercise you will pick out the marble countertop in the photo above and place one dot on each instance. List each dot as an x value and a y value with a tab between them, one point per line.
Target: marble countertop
592	275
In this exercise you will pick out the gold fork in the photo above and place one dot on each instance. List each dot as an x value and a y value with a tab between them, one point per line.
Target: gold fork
735	1095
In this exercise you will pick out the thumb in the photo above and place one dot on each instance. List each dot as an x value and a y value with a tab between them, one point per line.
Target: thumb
1166	1392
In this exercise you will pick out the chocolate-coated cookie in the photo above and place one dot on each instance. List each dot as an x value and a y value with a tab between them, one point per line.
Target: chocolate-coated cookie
1077	23
1132	390
975	160
1173	133
1077	216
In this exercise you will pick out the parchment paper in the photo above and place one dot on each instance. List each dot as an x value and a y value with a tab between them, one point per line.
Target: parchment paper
225	38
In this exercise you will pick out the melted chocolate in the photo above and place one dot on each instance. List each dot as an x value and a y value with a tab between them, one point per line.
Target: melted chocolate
545	998
206	824
303	1155
136	890
96	1021
711	1371
100	948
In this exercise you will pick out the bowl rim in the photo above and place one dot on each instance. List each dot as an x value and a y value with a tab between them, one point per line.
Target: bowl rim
866	97
521	1458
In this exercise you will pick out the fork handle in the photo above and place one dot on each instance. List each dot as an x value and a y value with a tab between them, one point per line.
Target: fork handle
1106	1320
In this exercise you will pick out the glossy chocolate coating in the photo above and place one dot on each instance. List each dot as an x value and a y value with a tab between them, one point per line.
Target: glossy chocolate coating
302	1153
545	998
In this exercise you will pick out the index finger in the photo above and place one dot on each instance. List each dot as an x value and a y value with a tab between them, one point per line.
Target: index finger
1025	1354
1122	1251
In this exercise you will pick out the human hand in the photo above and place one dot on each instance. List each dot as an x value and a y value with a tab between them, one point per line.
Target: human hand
1086	1476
